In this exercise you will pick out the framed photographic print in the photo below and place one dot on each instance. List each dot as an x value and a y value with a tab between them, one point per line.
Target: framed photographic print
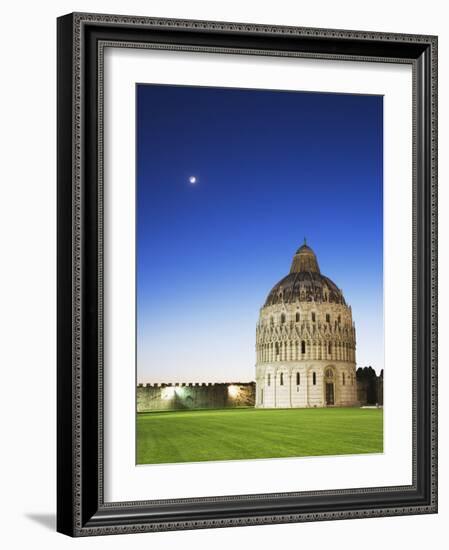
247	288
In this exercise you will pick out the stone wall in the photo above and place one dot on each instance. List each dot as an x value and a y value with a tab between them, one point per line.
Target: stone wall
164	397
303	384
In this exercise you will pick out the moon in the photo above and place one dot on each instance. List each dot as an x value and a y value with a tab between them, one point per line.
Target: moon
192	179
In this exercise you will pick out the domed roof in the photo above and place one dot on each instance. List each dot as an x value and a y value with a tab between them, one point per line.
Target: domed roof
305	283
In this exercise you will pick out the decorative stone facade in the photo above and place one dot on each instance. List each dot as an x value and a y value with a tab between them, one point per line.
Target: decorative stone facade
305	341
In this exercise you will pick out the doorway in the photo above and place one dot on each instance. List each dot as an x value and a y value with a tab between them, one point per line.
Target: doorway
329	393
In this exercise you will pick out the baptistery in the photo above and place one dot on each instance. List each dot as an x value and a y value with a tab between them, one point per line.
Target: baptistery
305	341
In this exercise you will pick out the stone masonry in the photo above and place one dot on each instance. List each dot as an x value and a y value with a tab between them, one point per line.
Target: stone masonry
305	341
162	397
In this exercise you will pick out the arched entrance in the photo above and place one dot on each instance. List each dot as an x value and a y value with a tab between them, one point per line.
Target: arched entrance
329	387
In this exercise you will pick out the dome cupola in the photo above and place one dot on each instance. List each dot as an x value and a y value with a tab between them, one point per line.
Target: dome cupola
305	282
304	260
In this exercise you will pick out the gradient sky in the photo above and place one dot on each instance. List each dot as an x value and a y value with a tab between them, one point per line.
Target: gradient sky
272	167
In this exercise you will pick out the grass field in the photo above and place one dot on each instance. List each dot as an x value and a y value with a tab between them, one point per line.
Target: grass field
229	434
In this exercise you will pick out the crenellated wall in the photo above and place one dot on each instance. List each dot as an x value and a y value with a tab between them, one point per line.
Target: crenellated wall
164	397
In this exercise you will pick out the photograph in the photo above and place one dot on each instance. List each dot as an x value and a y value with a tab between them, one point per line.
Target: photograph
247	277
259	274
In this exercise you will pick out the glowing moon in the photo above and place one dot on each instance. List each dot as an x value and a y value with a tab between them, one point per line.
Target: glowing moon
192	179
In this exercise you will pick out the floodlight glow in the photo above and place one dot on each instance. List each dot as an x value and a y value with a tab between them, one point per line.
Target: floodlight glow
233	391
168	393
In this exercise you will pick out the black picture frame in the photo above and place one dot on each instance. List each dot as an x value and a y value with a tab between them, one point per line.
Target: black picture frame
81	509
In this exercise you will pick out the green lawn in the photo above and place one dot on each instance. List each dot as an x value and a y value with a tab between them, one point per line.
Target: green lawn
227	434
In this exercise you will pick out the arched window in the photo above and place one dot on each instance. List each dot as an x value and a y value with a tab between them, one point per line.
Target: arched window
328	318
283	318
343	379
277	348
314	378
297	317
268	379
271	321
339	319
329	348
313	316
329	373
303	347
281	379
298	379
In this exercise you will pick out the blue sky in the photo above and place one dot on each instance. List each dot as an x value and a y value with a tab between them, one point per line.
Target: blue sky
271	168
